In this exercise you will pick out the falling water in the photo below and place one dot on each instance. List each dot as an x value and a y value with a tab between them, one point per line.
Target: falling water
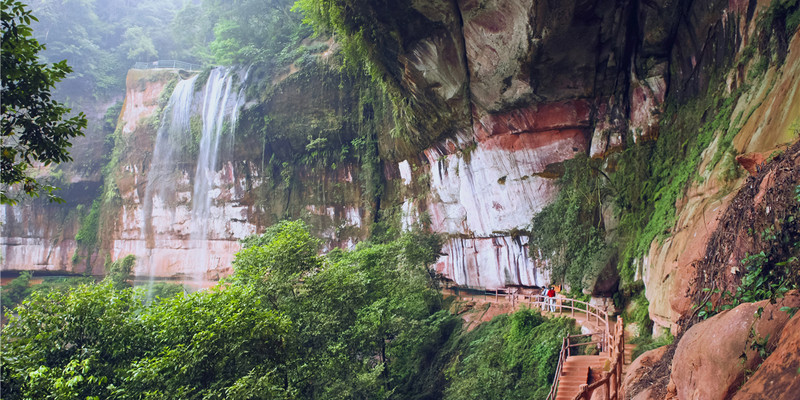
174	125
222	98
216	101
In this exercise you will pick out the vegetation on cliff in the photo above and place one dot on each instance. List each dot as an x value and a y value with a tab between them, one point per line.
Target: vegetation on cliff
647	180
102	39
769	268
371	35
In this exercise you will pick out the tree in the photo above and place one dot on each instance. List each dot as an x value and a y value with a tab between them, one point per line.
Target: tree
290	324
16	291
35	128
138	45
120	271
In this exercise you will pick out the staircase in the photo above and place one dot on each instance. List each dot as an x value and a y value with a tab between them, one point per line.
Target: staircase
577	371
592	377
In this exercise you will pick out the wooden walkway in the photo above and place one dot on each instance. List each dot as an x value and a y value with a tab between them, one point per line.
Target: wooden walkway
577	371
578	377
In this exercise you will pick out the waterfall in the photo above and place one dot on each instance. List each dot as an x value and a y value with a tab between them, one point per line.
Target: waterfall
174	125
217	99
222	97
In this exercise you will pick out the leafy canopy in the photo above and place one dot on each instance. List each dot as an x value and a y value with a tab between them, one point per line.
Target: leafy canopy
34	129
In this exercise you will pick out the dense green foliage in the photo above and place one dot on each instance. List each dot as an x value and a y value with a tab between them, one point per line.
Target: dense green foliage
120	271
359	35
570	232
632	298
646	343
255	32
35	128
647	180
16	291
21	287
101	39
100	342
289	324
654	175
86	237
371	34
512	357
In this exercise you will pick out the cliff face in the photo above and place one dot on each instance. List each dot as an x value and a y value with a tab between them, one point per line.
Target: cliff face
492	99
193	170
516	88
502	93
763	124
497	95
521	86
41	237
197	188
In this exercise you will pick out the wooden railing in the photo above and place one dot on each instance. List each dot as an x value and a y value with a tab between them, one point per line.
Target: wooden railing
562	358
168	64
609	385
593	313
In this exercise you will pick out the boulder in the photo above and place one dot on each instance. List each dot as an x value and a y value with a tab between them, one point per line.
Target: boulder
638	373
705	365
778	378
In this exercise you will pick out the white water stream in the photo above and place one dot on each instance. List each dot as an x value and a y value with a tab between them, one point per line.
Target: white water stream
215	103
220	111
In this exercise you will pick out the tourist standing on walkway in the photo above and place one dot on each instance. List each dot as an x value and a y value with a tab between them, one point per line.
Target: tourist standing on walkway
544	298
551	297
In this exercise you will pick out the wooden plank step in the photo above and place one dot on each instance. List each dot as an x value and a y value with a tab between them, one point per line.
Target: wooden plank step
575	372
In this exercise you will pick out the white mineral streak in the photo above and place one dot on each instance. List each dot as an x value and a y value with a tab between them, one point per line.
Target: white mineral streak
410	215
479	198
405	172
493	262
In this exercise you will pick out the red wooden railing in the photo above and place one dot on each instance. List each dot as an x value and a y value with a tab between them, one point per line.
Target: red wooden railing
608	387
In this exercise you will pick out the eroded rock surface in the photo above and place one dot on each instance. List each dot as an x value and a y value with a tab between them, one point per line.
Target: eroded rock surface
713	356
641	372
777	377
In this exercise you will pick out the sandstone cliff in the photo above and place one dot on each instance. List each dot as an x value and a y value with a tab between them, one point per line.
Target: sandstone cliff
481	107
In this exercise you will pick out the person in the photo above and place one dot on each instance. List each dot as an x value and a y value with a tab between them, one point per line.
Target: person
551	297
544	298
